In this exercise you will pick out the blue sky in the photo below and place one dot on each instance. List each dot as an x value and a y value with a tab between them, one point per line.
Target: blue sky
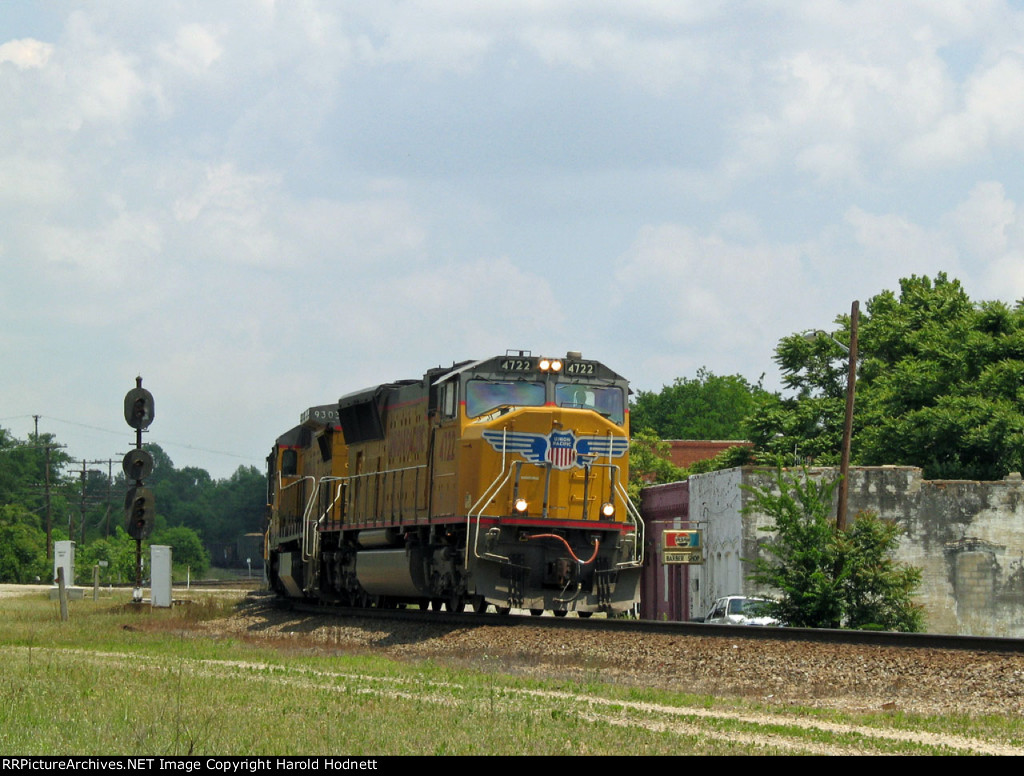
261	206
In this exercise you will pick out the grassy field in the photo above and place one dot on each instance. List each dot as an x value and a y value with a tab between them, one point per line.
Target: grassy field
118	680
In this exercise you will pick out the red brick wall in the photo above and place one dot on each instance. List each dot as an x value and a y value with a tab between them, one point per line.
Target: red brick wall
686	452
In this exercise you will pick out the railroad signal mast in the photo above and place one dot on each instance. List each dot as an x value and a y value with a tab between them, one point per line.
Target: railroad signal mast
139	502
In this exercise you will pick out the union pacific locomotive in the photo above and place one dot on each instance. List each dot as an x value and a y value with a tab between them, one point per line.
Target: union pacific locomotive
496	482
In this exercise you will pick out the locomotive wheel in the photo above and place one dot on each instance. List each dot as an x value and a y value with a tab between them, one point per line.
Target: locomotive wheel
560	612
536	612
480	605
456	604
503	610
583	615
435	604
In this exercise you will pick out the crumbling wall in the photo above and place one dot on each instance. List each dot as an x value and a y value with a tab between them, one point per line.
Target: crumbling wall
966	537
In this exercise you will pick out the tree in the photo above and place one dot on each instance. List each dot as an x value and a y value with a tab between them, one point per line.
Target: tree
706	407
878	590
23	471
649	464
238	504
22	546
186	548
827	577
945	382
213	511
940	385
117	551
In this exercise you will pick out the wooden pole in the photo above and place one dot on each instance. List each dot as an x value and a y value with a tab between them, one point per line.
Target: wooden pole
62	593
851	387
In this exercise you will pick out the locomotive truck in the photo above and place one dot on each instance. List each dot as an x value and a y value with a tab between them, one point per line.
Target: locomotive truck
495	482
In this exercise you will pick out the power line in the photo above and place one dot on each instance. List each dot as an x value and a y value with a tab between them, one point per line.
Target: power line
162	443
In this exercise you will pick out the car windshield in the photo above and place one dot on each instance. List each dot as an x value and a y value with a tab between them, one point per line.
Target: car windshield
755	608
751	607
482	396
607	401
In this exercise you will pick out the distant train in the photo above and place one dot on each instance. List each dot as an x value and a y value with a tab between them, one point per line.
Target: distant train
497	482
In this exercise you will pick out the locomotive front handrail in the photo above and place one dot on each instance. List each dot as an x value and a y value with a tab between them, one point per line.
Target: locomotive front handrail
499	482
281	487
638	522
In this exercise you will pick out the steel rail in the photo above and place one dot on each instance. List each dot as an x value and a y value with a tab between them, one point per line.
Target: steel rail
993	644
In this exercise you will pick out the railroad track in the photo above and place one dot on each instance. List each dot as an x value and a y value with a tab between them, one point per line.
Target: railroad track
993	644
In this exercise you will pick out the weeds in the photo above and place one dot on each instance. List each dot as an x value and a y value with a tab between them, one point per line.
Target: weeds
112	681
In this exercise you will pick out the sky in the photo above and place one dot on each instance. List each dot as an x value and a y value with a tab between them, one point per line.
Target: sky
261	206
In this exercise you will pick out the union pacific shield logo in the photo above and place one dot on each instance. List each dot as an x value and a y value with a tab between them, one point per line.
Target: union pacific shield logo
561	449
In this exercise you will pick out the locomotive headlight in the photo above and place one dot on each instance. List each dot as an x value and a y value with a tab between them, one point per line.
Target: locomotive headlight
550	365
607	509
520	506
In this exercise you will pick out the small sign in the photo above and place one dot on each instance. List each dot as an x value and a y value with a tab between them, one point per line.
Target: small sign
682	546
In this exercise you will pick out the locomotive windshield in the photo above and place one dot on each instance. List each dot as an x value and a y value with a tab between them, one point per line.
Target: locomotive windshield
607	401
482	396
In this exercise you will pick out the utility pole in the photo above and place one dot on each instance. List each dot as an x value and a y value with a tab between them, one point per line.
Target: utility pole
49	514
851	386
47	447
81	509
110	490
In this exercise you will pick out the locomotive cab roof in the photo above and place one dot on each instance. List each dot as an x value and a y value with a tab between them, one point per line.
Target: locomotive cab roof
524	362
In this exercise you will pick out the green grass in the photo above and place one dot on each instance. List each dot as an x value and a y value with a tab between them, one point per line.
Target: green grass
117	679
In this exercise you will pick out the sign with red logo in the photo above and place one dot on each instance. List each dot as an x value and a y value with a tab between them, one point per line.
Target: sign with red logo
682	546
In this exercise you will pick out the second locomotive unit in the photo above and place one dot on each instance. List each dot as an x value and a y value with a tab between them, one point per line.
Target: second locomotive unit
496	482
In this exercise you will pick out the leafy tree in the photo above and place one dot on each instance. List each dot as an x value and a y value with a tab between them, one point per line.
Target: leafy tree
877	590
238	504
940	385
117	550
186	548
708	406
945	382
22	546
739	455
826	577
218	511
211	511
649	464
23	472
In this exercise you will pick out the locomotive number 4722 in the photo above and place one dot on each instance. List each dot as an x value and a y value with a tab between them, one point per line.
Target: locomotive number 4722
579	368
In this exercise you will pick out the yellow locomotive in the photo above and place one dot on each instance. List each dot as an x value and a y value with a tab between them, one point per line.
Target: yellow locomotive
495	482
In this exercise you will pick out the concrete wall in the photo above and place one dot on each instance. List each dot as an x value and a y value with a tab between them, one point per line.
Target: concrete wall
715	504
967	538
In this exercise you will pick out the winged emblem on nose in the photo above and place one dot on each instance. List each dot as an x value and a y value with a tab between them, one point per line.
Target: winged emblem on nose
562	449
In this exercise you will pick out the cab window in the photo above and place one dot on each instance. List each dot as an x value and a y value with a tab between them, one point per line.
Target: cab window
450	399
483	396
606	401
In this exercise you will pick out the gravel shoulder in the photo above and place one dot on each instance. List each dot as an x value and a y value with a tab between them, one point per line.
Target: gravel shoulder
841	677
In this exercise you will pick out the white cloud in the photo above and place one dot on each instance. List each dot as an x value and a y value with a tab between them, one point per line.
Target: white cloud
708	299
292	200
657	63
26	53
988	229
194	49
984	221
33	182
990	116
